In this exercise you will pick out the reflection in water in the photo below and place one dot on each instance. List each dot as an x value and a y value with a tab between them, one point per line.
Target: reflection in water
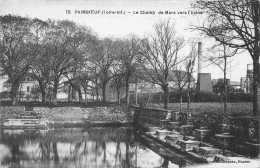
76	148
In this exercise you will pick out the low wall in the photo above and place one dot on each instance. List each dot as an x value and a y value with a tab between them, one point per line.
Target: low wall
245	129
151	117
122	114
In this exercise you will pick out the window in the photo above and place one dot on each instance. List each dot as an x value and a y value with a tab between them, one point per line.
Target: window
28	89
28	79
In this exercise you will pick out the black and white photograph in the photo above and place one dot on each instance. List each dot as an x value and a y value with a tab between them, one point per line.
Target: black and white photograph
129	83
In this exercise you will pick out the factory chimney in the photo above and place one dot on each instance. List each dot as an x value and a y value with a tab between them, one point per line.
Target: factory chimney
199	58
204	79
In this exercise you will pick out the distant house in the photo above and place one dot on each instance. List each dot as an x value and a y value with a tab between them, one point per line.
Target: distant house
233	86
26	87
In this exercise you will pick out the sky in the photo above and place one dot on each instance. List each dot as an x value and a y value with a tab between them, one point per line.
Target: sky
129	17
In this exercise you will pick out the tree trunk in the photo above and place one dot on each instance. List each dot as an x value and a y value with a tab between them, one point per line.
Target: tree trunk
93	95
256	70
118	95
69	94
255	86
80	94
14	91
148	99
55	91
49	93
42	90
85	91
44	96
104	92
136	94
166	96
225	80
127	90
97	94
180	101
188	95
20	92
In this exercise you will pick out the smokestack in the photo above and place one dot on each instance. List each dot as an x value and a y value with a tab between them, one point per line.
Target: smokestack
199	57
204	79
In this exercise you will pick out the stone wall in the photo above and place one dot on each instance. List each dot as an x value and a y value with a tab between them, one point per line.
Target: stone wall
10	112
151	117
109	114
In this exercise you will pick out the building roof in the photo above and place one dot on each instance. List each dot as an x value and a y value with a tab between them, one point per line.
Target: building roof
234	83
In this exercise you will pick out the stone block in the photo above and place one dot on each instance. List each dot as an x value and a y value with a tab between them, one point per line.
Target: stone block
153	129
224	140
186	129
253	149
175	116
202	134
190	138
173	139
188	145
161	134
173	125
164	123
207	152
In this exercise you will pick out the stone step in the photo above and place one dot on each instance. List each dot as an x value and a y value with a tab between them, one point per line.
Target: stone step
28	108
21	121
26	117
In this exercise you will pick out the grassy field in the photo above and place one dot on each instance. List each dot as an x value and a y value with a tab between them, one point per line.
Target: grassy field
235	109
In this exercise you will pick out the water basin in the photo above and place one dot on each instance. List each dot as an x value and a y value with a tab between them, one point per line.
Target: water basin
78	148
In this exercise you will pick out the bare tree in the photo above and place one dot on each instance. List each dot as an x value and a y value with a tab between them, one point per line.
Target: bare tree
69	46
41	71
74	82
183	76
220	58
181	80
104	60
159	55
18	49
189	66
129	50
239	23
84	80
117	78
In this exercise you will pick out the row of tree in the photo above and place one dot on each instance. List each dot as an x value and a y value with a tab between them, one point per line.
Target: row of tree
52	50
62	52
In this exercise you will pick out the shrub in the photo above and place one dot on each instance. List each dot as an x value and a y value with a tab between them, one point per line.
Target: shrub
174	97
239	97
5	94
206	97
